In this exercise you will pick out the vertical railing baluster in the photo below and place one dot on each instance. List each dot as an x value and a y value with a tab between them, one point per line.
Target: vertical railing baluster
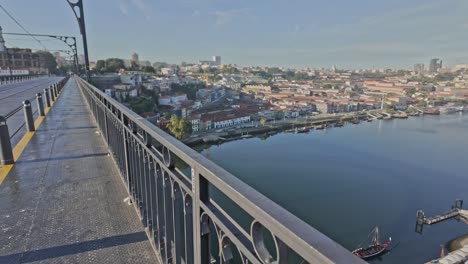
132	166
188	229
106	130
200	195
176	215
167	191
145	191
149	195
126	145
140	168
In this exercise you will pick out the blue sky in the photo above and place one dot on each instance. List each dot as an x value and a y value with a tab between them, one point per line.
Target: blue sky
294	33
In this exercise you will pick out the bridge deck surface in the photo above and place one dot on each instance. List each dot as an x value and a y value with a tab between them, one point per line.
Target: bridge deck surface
63	200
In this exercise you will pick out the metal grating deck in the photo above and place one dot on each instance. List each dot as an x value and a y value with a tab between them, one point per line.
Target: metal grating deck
63	200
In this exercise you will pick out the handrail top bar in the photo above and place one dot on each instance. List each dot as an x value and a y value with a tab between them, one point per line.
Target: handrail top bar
302	238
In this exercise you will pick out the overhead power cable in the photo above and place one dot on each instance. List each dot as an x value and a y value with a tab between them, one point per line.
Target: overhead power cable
21	26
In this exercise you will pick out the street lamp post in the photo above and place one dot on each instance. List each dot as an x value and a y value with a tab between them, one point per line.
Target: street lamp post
79	14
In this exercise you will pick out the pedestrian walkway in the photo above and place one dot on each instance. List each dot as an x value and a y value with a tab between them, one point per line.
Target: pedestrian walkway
63	201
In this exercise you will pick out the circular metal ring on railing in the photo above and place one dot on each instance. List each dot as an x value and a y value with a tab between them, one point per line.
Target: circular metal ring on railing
258	241
207	227
226	249
158	170
167	158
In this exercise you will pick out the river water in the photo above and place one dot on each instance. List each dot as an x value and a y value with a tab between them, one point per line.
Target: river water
344	181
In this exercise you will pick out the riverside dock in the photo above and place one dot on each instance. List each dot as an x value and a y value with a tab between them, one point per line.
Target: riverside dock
442	217
455	212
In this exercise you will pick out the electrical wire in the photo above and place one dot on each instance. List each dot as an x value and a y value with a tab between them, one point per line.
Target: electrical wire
21	26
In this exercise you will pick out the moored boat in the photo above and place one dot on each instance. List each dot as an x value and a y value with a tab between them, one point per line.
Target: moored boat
339	124
432	111
375	249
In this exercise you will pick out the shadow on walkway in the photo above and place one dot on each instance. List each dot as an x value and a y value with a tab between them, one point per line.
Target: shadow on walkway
64	158
81	247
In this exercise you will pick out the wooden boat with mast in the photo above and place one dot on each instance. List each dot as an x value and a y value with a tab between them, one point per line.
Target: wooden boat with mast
375	249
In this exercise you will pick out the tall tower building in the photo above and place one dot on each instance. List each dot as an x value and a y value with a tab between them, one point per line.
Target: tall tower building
435	65
135	58
2	41
217	60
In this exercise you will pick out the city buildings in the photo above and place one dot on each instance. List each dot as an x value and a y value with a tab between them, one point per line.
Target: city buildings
215	62
135	58
419	67
23	59
435	65
172	100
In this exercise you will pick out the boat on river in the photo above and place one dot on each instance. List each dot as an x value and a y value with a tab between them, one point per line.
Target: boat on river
339	124
432	111
375	249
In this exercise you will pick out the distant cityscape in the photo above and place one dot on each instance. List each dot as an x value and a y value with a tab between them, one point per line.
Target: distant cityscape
210	95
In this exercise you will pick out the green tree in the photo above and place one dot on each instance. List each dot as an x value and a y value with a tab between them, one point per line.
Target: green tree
179	127
218	78
189	89
114	65
274	70
100	66
289	75
47	61
134	66
441	77
302	76
148	69
263	121
228	69
211	70
159	65
141	104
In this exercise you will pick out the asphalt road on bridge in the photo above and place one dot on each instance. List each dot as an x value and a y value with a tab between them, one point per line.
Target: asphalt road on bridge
12	97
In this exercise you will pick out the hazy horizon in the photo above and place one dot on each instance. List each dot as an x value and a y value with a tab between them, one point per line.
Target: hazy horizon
349	35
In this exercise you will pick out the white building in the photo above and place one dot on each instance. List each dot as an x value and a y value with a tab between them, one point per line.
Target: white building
217	60
131	79
196	123
169	70
231	122
172	100
109	91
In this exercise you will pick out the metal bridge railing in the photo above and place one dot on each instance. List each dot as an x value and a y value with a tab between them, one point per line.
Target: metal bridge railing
193	210
8	79
43	102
